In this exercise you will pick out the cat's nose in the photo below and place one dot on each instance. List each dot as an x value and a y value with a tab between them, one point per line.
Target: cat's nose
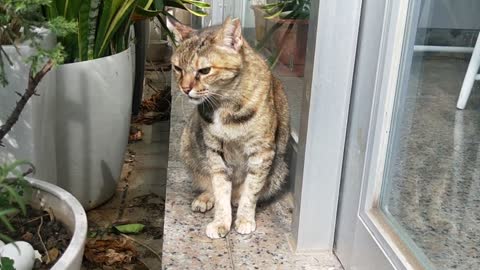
187	90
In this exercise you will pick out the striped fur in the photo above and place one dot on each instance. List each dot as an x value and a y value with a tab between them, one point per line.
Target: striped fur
234	144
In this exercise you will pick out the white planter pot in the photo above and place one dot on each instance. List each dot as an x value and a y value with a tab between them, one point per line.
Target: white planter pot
32	138
67	210
93	118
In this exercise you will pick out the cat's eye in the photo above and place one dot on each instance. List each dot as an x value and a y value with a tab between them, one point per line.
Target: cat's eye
204	71
177	68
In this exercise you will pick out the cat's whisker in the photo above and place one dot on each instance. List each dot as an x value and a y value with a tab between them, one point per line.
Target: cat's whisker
214	101
210	102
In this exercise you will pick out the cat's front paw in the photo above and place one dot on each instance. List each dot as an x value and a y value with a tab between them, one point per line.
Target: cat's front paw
203	203
244	225
217	229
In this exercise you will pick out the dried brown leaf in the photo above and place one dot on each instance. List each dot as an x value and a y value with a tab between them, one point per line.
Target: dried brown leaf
110	251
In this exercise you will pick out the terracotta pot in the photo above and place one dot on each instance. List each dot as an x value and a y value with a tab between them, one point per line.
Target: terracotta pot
260	22
293	44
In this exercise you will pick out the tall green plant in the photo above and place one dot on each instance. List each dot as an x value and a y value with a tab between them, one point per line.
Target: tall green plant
103	25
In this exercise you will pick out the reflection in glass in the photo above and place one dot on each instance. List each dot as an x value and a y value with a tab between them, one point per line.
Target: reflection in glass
432	177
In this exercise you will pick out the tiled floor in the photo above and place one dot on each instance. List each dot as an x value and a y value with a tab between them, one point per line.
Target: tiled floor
187	247
435	178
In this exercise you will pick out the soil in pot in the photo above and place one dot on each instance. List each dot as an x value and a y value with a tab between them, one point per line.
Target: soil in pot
54	240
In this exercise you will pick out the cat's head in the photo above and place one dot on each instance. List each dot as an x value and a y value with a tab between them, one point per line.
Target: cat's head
206	62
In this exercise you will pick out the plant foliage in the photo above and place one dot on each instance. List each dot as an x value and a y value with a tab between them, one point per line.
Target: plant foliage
103	25
288	9
6	264
14	190
159	9
20	23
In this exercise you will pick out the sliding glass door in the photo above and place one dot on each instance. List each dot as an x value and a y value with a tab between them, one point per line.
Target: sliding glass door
410	196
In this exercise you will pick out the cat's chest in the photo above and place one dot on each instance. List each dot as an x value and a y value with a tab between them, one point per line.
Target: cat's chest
225	131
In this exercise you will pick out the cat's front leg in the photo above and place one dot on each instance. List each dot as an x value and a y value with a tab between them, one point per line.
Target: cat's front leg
259	163
222	189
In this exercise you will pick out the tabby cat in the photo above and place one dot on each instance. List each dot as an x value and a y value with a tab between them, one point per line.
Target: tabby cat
234	144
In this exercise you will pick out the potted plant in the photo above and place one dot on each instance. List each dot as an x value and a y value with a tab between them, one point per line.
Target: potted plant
20	22
287	31
94	93
16	192
94	97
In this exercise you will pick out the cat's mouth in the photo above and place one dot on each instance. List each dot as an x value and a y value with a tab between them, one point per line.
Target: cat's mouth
196	100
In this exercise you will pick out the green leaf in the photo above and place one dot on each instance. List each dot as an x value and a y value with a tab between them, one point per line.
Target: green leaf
268	6
159	4
123	13
165	27
4	219
83	30
274	15
5	239
13	166
146	12
6	263
92	28
173	3
71	9
146	4
199	4
52	10
20	200
198	13
130	228
92	234
107	15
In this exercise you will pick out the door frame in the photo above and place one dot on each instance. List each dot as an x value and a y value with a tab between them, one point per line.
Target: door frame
329	69
364	236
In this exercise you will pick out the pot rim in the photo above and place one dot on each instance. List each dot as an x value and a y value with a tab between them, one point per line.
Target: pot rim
79	235
118	54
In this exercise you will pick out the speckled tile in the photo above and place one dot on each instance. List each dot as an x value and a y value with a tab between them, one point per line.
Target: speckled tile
434	179
185	244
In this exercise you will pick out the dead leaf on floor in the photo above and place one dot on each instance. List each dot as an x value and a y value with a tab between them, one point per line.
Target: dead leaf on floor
136	134
110	251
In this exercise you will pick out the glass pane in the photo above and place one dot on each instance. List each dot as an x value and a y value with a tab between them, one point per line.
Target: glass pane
432	179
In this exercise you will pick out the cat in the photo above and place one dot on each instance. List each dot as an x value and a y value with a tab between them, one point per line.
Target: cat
235	141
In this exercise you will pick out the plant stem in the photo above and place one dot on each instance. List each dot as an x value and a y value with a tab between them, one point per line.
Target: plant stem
33	81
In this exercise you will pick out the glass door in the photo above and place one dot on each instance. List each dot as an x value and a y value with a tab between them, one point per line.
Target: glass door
410	195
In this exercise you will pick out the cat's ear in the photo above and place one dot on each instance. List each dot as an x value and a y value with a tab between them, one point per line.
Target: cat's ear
179	30
230	35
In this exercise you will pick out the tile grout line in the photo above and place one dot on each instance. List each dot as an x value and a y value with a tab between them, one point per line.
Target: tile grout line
230	251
